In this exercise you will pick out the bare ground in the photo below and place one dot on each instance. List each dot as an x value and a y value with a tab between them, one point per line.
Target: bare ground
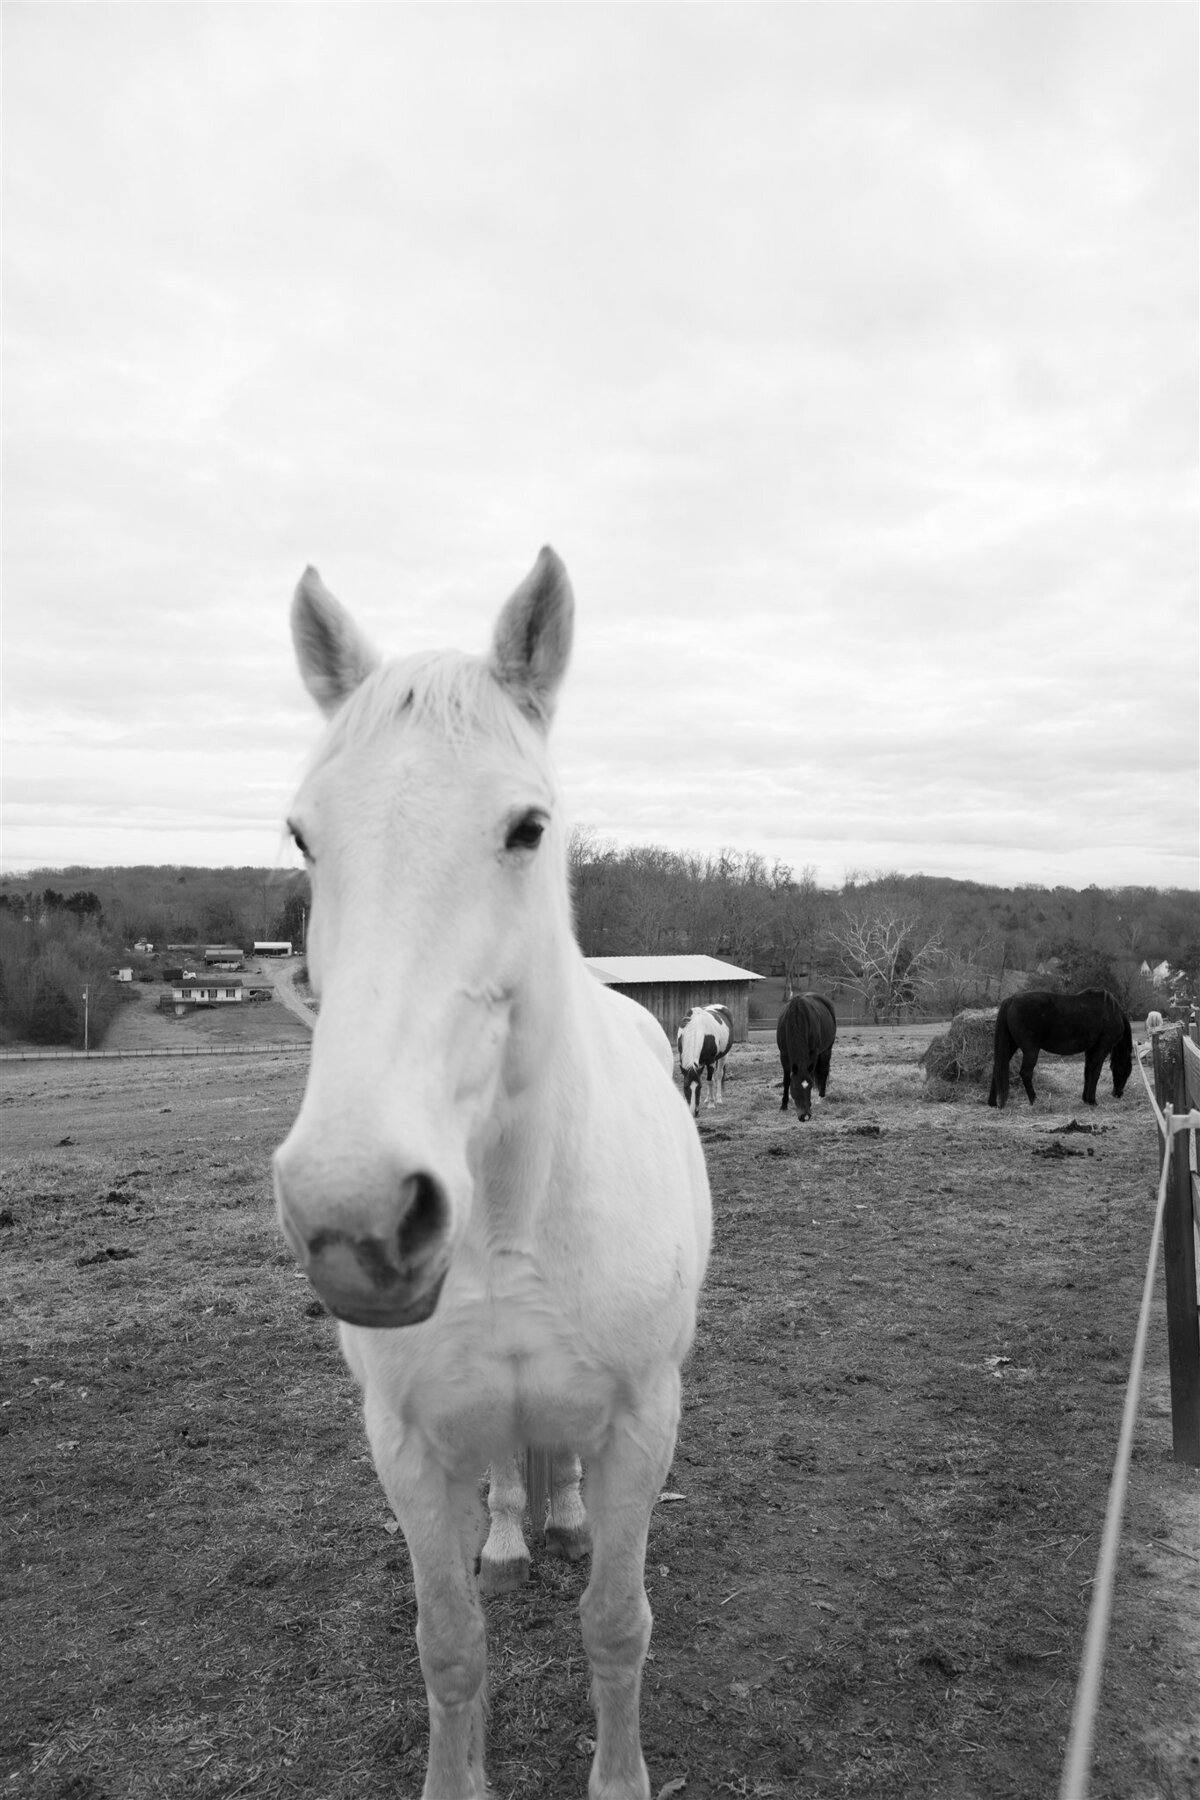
899	1423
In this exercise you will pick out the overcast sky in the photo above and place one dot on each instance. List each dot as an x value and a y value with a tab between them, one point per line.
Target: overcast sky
847	354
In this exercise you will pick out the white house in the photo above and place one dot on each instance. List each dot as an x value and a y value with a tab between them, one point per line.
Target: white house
206	990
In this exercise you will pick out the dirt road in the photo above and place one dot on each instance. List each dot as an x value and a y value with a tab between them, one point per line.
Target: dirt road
282	976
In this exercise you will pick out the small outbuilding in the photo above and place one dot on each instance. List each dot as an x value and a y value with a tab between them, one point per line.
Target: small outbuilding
223	956
669	986
272	946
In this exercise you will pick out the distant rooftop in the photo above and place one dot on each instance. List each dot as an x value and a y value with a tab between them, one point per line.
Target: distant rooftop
627	971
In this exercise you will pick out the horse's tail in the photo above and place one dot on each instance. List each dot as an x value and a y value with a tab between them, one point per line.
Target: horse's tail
539	1483
821	1001
1121	1061
1003	1046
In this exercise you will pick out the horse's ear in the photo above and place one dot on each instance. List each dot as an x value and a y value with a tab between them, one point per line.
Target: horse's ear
333	654
532	641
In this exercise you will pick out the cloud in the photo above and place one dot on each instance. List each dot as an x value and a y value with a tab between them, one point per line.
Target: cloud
848	356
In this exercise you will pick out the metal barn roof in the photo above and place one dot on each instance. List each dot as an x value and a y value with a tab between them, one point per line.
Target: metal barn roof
627	971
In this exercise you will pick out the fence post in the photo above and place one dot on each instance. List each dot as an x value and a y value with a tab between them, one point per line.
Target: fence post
1179	1254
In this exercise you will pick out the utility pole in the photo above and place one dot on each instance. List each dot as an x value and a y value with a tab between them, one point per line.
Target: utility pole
85	1021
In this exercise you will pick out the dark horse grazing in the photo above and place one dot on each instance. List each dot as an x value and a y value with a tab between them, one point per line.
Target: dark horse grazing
805	1033
1066	1025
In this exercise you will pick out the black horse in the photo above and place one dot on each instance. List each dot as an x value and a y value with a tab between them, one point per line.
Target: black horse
805	1033
1064	1024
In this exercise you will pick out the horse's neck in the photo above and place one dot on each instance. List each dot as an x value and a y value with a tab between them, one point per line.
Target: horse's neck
537	1104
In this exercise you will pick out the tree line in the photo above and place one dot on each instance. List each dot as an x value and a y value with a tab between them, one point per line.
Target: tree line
900	944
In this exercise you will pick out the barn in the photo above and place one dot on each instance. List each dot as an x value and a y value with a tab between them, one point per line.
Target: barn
669	986
223	956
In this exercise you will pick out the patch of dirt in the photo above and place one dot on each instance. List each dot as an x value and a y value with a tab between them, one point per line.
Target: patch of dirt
898	1430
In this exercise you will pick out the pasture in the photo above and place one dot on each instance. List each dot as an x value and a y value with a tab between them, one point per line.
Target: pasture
870	1569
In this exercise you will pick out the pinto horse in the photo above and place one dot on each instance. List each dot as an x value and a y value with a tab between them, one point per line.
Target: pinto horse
704	1039
1091	1023
509	1270
805	1033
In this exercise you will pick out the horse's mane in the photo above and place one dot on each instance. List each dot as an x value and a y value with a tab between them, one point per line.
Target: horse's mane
456	696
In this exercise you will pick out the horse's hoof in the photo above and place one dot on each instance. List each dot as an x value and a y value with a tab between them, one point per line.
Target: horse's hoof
568	1543
503	1577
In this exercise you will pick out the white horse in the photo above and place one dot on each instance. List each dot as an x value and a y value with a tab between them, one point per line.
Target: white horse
491	1180
704	1039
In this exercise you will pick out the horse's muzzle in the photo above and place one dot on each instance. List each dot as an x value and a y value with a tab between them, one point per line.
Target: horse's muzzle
384	1279
387	1313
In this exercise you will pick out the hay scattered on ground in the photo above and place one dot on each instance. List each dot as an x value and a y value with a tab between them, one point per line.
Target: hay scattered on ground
964	1051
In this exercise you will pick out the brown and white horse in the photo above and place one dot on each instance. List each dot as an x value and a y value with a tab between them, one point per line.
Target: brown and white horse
704	1039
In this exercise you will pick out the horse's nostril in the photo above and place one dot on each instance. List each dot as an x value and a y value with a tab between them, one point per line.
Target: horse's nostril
398	1256
425	1217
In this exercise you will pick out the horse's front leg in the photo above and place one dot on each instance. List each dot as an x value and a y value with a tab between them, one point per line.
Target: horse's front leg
623	1483
1092	1065
787	1081
442	1525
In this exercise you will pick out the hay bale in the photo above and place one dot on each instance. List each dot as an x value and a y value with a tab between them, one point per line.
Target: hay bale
964	1052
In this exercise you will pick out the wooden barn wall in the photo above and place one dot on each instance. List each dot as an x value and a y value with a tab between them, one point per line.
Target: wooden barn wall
672	1001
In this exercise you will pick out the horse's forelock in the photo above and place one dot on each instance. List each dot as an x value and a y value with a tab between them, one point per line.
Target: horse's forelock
454	695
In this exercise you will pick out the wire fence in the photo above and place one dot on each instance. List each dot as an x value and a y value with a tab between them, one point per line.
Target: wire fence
267	1049
1078	1759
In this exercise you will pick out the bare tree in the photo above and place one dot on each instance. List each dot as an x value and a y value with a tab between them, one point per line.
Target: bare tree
961	978
886	955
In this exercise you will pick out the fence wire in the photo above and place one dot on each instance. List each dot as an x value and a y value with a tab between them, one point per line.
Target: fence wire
1078	1760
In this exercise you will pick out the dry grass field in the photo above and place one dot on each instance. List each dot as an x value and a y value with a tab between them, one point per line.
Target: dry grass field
899	1422
140	1025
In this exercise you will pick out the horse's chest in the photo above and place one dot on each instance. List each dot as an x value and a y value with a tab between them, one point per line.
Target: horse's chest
512	1372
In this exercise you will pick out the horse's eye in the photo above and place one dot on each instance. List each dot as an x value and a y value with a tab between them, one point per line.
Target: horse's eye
526	834
299	842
